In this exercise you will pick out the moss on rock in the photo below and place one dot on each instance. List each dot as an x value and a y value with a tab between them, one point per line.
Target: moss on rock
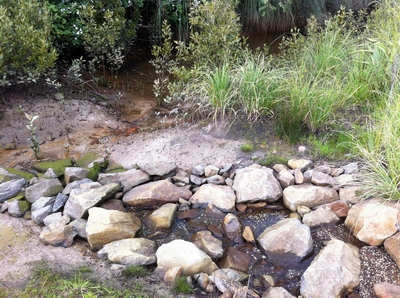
58	166
22	174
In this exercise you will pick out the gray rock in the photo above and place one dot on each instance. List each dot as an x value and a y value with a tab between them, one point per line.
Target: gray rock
132	251
350	194
105	226
154	194
308	195
60	235
351	168
221	196
334	271
17	208
56	219
319	217
44	188
40	214
162	218
59	202
216	179
11	188
256	183
128	179
79	226
76	185
199	170
195	180
81	200
186	255
364	220
7	176
72	174
288	238
158	168
43	202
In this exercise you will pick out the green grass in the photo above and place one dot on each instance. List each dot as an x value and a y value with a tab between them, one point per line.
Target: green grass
272	159
135	271
181	286
247	147
47	283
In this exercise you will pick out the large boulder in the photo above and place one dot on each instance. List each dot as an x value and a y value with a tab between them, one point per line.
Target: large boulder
154	194
334	271
287	240
180	253
128	179
132	251
308	195
105	226
365	220
81	200
256	183
221	196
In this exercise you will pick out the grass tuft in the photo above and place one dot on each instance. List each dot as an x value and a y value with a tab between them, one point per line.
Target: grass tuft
181	286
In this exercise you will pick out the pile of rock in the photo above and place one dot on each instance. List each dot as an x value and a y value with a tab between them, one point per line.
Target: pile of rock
68	204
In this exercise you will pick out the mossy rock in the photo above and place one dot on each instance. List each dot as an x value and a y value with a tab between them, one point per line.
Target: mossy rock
94	172
27	176
90	157
24	206
18	197
272	159
58	166
116	168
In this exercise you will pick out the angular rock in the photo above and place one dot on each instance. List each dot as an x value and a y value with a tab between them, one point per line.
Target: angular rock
76	185
45	188
301	164
216	179
386	290
365	222
113	204
256	183
132	251
59	202
232	228
340	208
211	170
228	279
162	218
157	168
277	292
198	170
351	168
11	188
350	194
196	180
319	217
75	173
285	178
235	259
79	226
288	238
322	179
128	179
326	169
211	245
43	202
172	274
335	270
392	246
81	200
56	219
154	194
308	195
62	235
18	208
248	234
40	214
221	196
298	177
186	255
105	226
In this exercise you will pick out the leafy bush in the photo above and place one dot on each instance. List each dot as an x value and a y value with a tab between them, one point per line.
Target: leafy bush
25	46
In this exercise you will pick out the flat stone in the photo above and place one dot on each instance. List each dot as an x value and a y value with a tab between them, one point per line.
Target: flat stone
235	259
221	196
128	179
162	218
11	188
319	217
301	164
158	168
211	245
154	194
386	290
45	188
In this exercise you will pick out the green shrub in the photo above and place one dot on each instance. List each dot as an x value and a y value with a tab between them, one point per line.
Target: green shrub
25	47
